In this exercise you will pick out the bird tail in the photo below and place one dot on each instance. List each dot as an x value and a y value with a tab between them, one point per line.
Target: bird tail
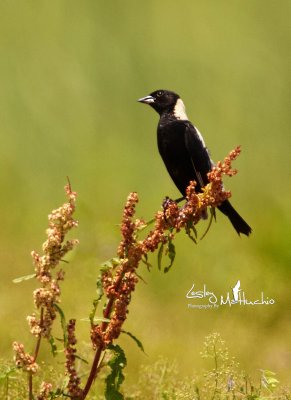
237	221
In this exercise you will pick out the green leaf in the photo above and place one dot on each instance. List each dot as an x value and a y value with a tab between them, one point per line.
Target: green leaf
137	341
171	254
142	226
140	277
24	278
81	359
100	292
92	313
95	319
267	372
5	374
145	261
212	216
58	392
268	380
160	256
99	288
190	227
116	377
63	323
54	348
65	381
109	264
151	221
273	382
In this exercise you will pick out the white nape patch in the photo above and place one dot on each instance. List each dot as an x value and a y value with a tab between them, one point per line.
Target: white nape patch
179	110
200	137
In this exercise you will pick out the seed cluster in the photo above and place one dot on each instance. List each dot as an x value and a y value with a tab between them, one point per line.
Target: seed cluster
61	221
47	296
24	360
119	282
73	386
45	390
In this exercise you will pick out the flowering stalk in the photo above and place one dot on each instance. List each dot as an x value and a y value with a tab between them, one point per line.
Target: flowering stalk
47	296
45	390
74	389
119	281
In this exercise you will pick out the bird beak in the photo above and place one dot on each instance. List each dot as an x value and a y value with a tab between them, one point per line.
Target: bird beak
147	100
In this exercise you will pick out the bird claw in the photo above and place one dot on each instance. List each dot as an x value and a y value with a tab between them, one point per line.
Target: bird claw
166	202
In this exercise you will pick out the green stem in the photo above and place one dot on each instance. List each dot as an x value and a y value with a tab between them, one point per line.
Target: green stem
96	361
216	373
7	387
36	351
30	396
93	372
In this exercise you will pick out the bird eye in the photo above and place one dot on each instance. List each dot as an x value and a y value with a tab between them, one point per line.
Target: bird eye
159	94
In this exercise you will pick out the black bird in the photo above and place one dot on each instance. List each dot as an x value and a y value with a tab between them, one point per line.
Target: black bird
183	150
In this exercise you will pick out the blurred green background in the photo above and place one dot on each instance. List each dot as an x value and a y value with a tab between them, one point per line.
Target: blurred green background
70	74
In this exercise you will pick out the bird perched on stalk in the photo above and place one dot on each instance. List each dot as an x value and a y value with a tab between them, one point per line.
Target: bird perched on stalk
183	150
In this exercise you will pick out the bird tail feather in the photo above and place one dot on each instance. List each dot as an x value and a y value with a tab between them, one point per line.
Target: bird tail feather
237	221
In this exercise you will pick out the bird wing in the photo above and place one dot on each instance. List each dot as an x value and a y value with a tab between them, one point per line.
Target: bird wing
198	153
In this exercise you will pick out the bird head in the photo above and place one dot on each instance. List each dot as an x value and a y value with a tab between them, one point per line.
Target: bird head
163	101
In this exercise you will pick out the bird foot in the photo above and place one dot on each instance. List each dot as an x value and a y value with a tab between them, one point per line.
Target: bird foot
167	201
165	204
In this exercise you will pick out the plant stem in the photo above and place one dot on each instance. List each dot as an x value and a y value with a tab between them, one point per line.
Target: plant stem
7	387
39	337
30	396
36	351
216	371
93	371
94	368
